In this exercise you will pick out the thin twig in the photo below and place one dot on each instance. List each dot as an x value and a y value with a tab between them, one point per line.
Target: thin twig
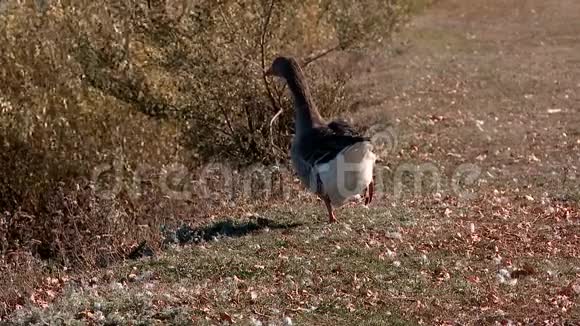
205	122
272	125
240	52
264	31
225	114
275	106
260	314
310	59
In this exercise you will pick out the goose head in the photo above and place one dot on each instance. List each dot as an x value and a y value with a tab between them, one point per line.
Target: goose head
283	67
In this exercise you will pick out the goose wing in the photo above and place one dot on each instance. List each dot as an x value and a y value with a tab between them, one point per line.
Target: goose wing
341	127
324	143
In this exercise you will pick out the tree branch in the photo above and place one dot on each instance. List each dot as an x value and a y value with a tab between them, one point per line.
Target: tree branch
267	19
313	57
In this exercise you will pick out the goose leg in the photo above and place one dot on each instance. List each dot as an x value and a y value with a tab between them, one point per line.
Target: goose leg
324	197
369	192
331	216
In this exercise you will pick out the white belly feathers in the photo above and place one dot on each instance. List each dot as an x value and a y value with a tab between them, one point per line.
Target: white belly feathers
347	175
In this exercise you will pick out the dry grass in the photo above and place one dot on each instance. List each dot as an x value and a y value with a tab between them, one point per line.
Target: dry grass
376	267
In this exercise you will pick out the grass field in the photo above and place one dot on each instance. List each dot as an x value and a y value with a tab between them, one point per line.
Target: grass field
483	97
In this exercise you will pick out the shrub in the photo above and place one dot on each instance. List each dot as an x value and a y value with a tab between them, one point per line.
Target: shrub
150	83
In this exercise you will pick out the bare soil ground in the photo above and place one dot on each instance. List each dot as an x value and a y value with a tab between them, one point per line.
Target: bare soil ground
485	87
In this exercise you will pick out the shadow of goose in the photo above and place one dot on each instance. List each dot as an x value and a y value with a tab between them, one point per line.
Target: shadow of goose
224	229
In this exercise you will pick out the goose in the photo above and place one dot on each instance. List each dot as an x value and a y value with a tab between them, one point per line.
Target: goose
331	159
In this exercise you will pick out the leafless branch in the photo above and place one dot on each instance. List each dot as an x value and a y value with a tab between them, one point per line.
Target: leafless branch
232	31
313	57
267	19
226	116
273	101
272	125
